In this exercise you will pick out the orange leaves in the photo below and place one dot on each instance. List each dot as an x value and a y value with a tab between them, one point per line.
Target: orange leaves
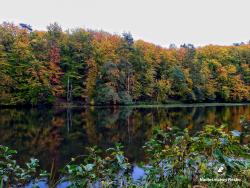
231	69
55	55
91	77
239	91
106	46
152	53
214	52
222	73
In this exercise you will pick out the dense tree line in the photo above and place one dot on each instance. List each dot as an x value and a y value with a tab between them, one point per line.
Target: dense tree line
95	67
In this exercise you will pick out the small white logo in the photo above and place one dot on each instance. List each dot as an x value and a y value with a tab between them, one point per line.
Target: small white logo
220	170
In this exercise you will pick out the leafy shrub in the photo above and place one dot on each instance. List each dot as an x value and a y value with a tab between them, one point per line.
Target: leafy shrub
13	174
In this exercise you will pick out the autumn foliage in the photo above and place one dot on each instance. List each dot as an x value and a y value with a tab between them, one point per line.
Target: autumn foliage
96	67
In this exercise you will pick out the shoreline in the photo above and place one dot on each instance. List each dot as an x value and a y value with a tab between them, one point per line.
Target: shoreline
172	105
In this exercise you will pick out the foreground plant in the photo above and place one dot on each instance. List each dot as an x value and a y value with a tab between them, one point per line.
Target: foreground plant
176	158
12	174
95	170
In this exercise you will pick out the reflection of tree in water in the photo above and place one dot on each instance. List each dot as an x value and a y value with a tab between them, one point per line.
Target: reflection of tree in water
69	118
31	132
195	118
60	134
105	127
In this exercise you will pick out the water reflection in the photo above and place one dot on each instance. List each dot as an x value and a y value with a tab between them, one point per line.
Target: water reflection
59	134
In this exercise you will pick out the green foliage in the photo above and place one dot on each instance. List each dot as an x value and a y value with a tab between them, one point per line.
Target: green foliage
106	95
125	98
11	173
99	170
182	160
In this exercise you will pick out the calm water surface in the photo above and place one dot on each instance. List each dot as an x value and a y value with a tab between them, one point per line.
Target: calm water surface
60	134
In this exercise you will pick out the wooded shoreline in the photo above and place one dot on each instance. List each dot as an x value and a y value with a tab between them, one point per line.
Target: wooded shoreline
87	67
172	105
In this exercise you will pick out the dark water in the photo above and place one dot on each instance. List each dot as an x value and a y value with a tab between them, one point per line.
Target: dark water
59	134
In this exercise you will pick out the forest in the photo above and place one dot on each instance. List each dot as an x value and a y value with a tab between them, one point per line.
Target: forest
90	67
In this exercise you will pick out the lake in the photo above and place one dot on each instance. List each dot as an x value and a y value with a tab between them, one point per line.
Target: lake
58	134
